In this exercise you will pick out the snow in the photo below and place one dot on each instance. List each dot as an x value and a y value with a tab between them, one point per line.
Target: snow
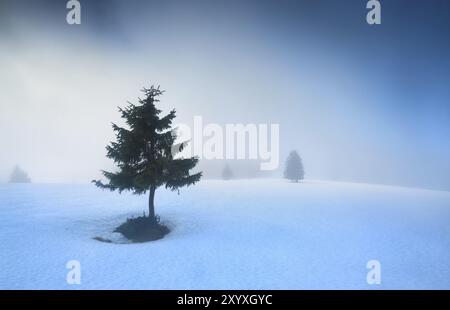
240	234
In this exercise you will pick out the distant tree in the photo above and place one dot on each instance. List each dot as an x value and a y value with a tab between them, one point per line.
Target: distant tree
144	153
19	176
294	167
227	174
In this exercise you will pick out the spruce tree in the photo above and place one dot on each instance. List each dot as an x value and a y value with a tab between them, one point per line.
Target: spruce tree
144	152
294	167
227	174
19	176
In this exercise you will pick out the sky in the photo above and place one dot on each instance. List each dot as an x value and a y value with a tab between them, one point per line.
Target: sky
359	102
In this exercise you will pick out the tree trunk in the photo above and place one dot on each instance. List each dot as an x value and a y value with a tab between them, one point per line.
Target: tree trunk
151	204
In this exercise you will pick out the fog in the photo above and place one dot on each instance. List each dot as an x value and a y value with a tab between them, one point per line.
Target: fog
345	97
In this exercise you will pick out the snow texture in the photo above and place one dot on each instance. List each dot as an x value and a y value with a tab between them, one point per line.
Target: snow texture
240	234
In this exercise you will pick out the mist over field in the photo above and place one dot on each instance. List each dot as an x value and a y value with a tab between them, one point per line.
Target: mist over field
359	103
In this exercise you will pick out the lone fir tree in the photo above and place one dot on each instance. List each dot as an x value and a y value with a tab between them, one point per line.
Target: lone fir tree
144	153
19	176
227	174
294	167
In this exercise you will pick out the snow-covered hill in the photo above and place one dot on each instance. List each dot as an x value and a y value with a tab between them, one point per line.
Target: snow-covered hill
246	234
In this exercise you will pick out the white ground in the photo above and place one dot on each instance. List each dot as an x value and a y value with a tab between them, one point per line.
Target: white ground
247	234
